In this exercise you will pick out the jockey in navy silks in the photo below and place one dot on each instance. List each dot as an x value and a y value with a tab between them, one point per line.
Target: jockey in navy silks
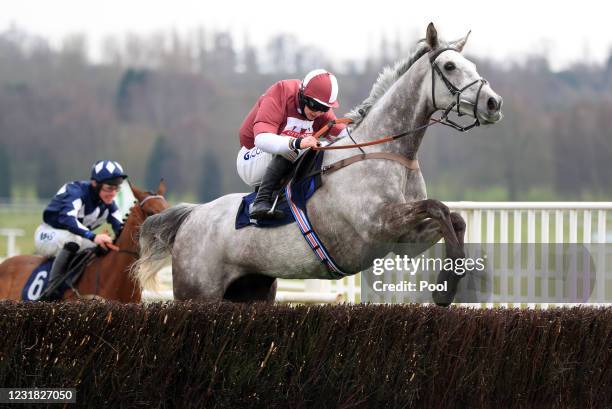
77	209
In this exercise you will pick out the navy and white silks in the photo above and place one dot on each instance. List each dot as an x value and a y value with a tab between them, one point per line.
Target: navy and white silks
72	215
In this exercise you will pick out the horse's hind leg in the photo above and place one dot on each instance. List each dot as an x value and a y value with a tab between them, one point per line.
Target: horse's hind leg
252	287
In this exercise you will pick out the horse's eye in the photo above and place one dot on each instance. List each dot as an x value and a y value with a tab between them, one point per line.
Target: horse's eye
449	66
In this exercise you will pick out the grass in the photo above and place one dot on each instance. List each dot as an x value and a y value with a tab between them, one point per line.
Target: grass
27	220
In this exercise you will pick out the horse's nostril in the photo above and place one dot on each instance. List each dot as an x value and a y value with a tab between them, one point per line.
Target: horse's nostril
492	104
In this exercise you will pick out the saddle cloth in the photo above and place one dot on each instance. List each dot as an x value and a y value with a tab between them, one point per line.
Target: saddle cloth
301	188
39	278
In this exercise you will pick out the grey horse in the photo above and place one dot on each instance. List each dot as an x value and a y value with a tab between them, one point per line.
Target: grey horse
361	211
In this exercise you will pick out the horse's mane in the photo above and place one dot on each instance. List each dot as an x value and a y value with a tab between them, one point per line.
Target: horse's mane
129	214
386	78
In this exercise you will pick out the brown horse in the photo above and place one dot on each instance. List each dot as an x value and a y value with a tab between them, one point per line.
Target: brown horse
105	276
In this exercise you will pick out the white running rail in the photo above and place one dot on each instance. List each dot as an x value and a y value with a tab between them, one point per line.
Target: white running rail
11	240
528	222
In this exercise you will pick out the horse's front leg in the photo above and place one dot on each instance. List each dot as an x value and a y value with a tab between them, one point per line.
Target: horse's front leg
422	224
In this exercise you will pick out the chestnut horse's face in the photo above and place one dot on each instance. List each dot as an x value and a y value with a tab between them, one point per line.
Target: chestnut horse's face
151	203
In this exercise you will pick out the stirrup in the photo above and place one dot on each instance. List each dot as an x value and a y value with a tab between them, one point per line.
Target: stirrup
274	212
267	213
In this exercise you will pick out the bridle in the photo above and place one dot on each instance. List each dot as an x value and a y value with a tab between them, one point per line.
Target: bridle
456	92
146	199
443	120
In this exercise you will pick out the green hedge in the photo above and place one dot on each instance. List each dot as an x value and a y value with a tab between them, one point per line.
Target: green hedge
243	356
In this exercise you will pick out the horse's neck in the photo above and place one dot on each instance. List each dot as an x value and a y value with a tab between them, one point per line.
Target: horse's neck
127	239
405	106
117	285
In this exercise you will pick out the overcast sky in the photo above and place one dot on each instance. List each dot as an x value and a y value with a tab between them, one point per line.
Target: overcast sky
578	31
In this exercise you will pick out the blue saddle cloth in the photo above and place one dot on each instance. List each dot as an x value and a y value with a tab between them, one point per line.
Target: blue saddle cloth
38	281
302	189
39	278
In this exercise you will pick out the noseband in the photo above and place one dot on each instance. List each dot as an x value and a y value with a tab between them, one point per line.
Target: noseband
455	92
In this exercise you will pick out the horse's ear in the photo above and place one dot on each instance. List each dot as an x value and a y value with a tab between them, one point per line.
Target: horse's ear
137	192
161	189
432	36
459	44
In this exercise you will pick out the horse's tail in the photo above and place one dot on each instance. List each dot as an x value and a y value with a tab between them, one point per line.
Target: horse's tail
157	236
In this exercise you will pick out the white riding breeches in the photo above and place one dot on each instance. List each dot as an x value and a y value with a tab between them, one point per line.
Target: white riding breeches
252	163
48	240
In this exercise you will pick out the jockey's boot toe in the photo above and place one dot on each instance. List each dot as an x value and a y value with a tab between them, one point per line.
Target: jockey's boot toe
261	210
277	214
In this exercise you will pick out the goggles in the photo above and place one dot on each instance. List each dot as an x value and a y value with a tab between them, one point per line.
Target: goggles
110	188
313	105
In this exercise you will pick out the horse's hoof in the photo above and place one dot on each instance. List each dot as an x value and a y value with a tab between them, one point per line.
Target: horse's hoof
442	298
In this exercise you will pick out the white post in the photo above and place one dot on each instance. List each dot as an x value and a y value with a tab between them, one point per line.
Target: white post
601	226
573	226
517	266
490	226
586	227
558	226
531	239
503	265
602	269
476	227
544	239
11	248
351	289
11	240
490	248
559	238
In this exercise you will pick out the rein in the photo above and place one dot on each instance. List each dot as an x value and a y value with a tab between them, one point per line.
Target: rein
444	120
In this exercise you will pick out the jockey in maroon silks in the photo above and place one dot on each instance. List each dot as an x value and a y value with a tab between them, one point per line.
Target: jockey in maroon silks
279	126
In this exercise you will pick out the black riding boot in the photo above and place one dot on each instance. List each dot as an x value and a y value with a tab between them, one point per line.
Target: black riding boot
57	270
277	169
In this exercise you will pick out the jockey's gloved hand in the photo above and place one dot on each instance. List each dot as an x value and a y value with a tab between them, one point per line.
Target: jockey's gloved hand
304	143
102	239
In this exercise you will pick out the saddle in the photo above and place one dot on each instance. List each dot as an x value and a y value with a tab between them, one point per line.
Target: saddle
305	180
38	282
